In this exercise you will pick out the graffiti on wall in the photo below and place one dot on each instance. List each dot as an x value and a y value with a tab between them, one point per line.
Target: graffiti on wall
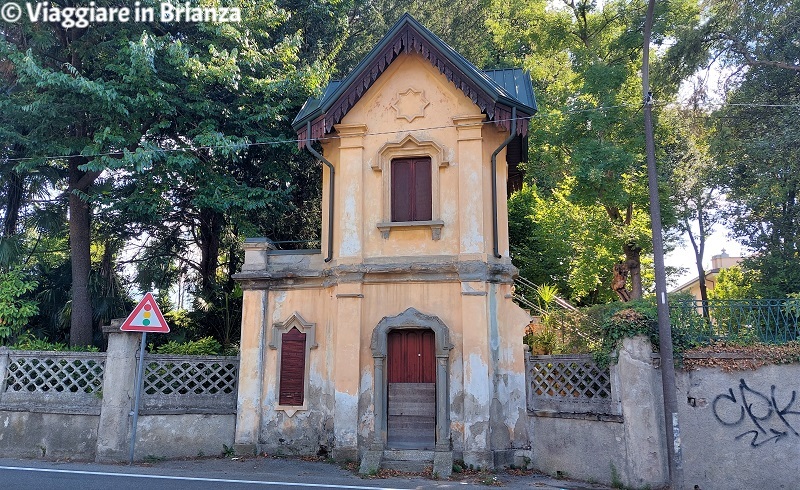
764	417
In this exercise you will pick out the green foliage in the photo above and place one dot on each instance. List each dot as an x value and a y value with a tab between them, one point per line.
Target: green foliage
228	451
203	346
690	173
26	341
555	240
179	320
587	149
756	133
625	320
732	283
16	307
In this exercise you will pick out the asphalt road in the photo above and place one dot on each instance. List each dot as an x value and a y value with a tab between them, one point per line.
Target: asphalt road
237	474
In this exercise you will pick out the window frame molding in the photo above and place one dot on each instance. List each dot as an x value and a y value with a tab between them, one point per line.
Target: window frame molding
295	320
410	147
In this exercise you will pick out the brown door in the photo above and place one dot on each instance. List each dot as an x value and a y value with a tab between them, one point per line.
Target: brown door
412	389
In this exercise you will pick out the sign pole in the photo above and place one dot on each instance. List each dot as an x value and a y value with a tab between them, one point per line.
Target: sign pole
146	317
139	383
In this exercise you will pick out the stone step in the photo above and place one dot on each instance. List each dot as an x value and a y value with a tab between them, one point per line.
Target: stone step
407	466
408	455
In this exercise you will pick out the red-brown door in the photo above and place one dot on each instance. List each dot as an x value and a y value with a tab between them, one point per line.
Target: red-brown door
411	373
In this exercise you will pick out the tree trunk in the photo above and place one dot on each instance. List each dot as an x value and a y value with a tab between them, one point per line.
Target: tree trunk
14	190
80	331
633	262
701	275
233	265
211	223
699	246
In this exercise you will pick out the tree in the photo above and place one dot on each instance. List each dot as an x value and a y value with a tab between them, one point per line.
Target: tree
187	113
557	241
585	61
460	23
732	283
756	143
694	190
739	33
15	309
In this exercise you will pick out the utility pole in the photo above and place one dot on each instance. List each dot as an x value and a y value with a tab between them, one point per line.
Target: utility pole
671	425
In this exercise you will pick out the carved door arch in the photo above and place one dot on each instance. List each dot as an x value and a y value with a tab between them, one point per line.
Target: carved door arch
412	319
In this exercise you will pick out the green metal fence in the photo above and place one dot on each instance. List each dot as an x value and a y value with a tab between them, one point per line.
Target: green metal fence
772	321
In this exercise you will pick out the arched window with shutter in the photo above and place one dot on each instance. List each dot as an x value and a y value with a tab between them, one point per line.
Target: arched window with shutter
293	339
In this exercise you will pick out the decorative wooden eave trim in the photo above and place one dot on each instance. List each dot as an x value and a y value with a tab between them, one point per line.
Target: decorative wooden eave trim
408	39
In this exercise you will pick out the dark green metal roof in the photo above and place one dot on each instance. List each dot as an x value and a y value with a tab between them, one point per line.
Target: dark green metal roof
496	92
516	82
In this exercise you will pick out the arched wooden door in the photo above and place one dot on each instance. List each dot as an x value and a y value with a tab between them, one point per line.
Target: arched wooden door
411	374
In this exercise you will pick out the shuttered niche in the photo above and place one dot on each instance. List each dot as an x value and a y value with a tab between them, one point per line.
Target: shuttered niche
293	368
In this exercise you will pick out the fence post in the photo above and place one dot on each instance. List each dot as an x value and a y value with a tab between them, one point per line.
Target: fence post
118	393
4	360
640	397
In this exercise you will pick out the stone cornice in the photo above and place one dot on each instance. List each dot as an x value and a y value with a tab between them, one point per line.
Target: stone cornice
416	271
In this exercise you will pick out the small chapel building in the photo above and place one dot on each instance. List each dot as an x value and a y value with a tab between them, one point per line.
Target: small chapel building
398	339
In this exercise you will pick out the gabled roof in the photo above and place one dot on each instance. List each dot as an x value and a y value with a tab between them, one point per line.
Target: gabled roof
496	92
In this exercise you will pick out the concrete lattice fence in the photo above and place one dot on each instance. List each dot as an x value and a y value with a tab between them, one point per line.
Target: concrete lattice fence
594	423
79	404
62	382
189	384
572	384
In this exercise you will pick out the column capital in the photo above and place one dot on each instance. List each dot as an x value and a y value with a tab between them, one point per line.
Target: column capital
351	135
469	126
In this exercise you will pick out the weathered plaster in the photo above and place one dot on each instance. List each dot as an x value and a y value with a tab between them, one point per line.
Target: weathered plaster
351	241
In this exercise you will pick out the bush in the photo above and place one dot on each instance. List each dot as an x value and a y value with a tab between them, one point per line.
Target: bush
27	341
15	309
206	346
624	320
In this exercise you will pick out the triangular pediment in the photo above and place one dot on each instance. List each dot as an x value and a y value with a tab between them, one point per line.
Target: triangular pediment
498	93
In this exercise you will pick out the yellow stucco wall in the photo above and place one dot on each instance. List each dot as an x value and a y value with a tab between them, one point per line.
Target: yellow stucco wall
452	122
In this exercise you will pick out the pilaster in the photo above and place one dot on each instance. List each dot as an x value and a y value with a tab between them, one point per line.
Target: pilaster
472	193
477	381
350	192
646	464
346	355
251	370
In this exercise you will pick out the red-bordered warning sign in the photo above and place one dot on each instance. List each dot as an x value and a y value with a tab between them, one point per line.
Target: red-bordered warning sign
146	317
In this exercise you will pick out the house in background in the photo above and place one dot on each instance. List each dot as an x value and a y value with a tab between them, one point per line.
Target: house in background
398	341
718	262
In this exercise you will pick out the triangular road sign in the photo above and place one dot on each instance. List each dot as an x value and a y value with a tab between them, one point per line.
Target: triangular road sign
146	317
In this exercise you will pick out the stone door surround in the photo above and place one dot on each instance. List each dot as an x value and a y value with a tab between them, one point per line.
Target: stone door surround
412	318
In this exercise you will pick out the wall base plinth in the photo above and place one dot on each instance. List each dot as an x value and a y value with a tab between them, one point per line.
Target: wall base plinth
245	449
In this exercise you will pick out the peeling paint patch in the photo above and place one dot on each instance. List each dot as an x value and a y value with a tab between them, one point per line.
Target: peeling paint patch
5	424
366	422
494	329
351	245
345	420
277	312
476	380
